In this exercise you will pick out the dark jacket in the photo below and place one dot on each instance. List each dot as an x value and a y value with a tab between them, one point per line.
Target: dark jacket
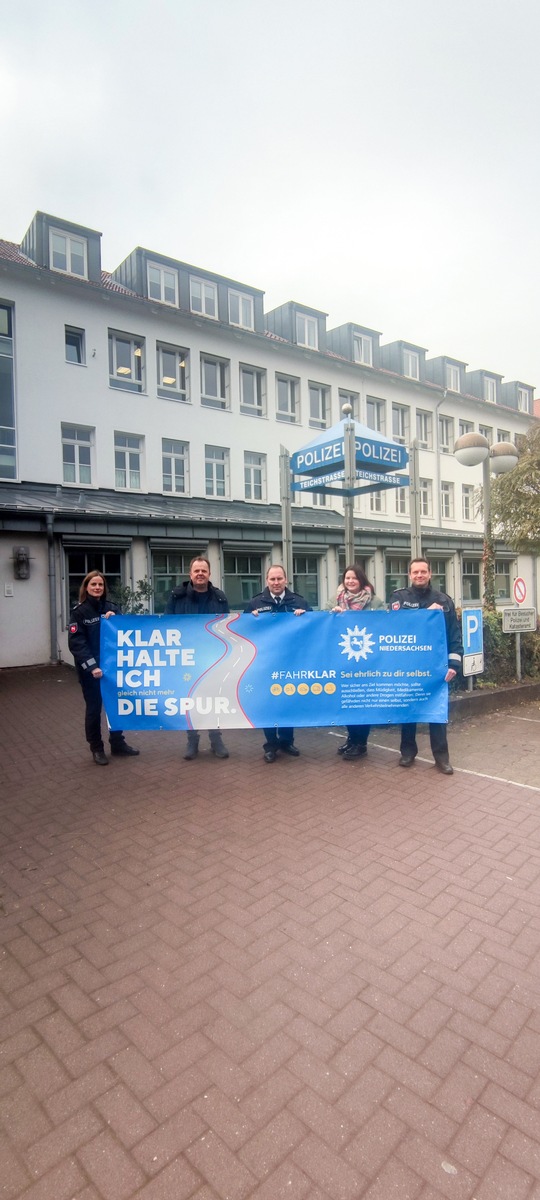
84	630
412	598
265	602
186	601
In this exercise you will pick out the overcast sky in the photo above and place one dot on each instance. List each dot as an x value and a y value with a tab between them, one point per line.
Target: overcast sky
376	159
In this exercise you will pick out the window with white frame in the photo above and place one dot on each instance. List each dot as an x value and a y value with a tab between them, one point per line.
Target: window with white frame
318	499
465	427
306	577
215	375
77	441
438	574
216	471
172	372
252	391
490	389
447	500
351	398
400	423
376	414
74	343
162	284
169	568
127	461
68	254
319	405
81	560
467	502
524	400
401	501
411	364
241	309
175	466
363	349
307	333
242	578
426	497
126	361
203	297
446	434
452	378
254	476
287	399
470	579
487	432
502	579
396	575
377	502
424	429
8	457
503	435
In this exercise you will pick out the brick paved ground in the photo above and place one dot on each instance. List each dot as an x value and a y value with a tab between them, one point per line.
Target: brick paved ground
311	980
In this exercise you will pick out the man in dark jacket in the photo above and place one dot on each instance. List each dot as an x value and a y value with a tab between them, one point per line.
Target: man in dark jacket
277	598
421	595
199	597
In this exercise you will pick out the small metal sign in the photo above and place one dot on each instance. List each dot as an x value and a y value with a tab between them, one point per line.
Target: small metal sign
519	620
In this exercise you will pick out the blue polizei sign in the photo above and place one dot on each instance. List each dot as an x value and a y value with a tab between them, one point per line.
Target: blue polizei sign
315	482
326	453
244	672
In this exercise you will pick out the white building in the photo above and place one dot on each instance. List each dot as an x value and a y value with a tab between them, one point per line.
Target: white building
141	418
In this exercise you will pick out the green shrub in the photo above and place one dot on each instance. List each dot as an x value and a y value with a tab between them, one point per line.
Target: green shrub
500	653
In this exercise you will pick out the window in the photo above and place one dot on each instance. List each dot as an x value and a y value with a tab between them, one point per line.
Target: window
242	578
68	253
252	391
486	432
74	339
77	454
411	364
377	502
363	349
452	378
376	414
467	502
172	372
169	569
319	405
306	577
93	558
351	398
241	310
524	399
503	435
401	501
490	389
162	284
175	465
287	401
318	499
127	461
425	489
216	469
126	362
400	423
438	574
203	297
254	476
424	430
447	501
470	582
214	382
502	579
446	434
307	333
8	463
397	575
465	427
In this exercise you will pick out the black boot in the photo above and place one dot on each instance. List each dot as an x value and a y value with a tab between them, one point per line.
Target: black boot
218	746
122	749
192	745
354	750
99	757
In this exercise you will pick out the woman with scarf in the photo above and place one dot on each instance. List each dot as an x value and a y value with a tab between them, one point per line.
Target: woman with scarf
355	593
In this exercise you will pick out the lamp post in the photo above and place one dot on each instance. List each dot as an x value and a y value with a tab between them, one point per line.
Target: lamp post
349	480
470	450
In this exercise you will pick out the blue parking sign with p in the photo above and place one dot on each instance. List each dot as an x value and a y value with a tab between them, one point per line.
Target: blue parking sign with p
473	641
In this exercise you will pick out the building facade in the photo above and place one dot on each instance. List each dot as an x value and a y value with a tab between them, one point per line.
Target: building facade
142	415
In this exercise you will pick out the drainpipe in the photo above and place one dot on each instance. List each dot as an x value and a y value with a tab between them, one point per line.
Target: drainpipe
53	614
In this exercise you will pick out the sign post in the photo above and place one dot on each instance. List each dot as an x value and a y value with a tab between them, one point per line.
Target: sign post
519	620
473	642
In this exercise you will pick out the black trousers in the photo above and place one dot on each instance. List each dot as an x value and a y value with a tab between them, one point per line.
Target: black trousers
437	737
358	734
276	737
92	721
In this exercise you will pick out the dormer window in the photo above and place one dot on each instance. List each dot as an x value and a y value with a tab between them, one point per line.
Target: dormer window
523	400
307	333
162	284
68	254
411	364
490	389
363	349
241	309
452	378
203	297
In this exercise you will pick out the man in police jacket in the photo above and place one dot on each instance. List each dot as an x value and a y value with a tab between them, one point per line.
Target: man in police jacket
420	594
277	598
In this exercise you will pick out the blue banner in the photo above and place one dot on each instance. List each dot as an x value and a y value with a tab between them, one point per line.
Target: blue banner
243	672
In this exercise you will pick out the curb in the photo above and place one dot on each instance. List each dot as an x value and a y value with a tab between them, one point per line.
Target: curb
469	704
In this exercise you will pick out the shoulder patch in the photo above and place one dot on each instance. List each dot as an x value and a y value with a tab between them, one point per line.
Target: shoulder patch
396	604
73	628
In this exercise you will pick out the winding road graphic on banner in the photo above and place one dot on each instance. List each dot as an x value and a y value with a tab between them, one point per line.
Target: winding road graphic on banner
218	688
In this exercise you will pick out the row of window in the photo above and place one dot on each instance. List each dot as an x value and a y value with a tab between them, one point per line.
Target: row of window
243	574
400	502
